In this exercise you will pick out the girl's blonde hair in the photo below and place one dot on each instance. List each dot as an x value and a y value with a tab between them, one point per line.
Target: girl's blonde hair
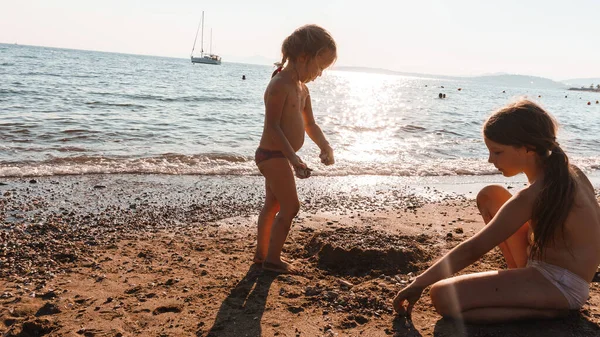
308	40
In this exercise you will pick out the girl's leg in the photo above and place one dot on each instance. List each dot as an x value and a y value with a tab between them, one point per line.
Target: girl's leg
496	296
265	221
492	315
489	200
282	184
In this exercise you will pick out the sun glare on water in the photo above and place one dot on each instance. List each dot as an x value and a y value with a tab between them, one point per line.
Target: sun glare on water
369	116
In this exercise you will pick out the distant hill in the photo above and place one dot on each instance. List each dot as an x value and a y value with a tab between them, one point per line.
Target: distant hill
501	79
582	82
508	80
393	72
523	81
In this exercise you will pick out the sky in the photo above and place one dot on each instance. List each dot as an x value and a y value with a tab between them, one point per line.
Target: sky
553	39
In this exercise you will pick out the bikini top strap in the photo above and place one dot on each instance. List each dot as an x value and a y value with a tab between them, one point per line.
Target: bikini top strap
279	67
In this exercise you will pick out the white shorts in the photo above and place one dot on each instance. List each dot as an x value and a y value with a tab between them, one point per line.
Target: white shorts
575	289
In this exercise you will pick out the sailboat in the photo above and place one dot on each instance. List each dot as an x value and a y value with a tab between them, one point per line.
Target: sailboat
209	58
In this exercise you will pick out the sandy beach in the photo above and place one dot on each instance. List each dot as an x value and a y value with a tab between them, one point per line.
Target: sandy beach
160	255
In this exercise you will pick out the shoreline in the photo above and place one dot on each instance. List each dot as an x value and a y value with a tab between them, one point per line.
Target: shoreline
443	182
121	255
429	187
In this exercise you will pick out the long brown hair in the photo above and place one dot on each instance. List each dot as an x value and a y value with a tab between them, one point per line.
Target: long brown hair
525	123
308	40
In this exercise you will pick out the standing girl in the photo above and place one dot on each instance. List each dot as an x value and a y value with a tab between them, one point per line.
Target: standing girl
306	53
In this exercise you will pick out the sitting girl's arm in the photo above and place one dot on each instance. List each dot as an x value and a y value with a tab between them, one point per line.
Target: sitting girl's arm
510	217
315	133
274	103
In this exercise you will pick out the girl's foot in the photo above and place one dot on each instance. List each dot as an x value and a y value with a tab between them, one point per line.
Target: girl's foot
281	267
261	260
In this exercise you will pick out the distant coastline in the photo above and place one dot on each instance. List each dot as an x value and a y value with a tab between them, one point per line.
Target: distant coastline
585	89
501	79
512	80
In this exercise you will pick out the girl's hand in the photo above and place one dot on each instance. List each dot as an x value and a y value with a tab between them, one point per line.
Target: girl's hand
300	168
327	156
409	295
297	163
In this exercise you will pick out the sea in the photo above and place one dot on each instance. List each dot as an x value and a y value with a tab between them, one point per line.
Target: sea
74	112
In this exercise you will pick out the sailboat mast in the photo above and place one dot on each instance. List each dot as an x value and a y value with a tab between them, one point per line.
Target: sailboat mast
202	38
210	50
195	39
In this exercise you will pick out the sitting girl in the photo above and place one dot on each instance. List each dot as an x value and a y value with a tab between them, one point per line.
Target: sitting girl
549	232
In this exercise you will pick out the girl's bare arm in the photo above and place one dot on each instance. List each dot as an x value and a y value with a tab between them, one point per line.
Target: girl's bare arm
511	216
311	127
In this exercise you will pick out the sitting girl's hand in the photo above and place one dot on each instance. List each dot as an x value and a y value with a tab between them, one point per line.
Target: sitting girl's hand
327	156
411	295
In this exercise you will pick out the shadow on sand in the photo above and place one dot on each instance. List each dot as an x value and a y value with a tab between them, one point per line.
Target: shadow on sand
573	325
403	327
241	312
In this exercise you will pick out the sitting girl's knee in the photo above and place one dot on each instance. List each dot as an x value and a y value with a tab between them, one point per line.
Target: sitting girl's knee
442	299
436	297
490	192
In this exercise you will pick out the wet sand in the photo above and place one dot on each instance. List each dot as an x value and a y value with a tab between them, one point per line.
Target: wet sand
129	255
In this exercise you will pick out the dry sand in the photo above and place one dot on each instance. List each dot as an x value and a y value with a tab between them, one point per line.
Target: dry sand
171	256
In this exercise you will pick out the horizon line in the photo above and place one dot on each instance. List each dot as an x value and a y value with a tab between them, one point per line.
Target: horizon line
399	72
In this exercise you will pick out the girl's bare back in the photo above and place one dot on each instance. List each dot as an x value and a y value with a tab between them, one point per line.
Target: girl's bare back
579	252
